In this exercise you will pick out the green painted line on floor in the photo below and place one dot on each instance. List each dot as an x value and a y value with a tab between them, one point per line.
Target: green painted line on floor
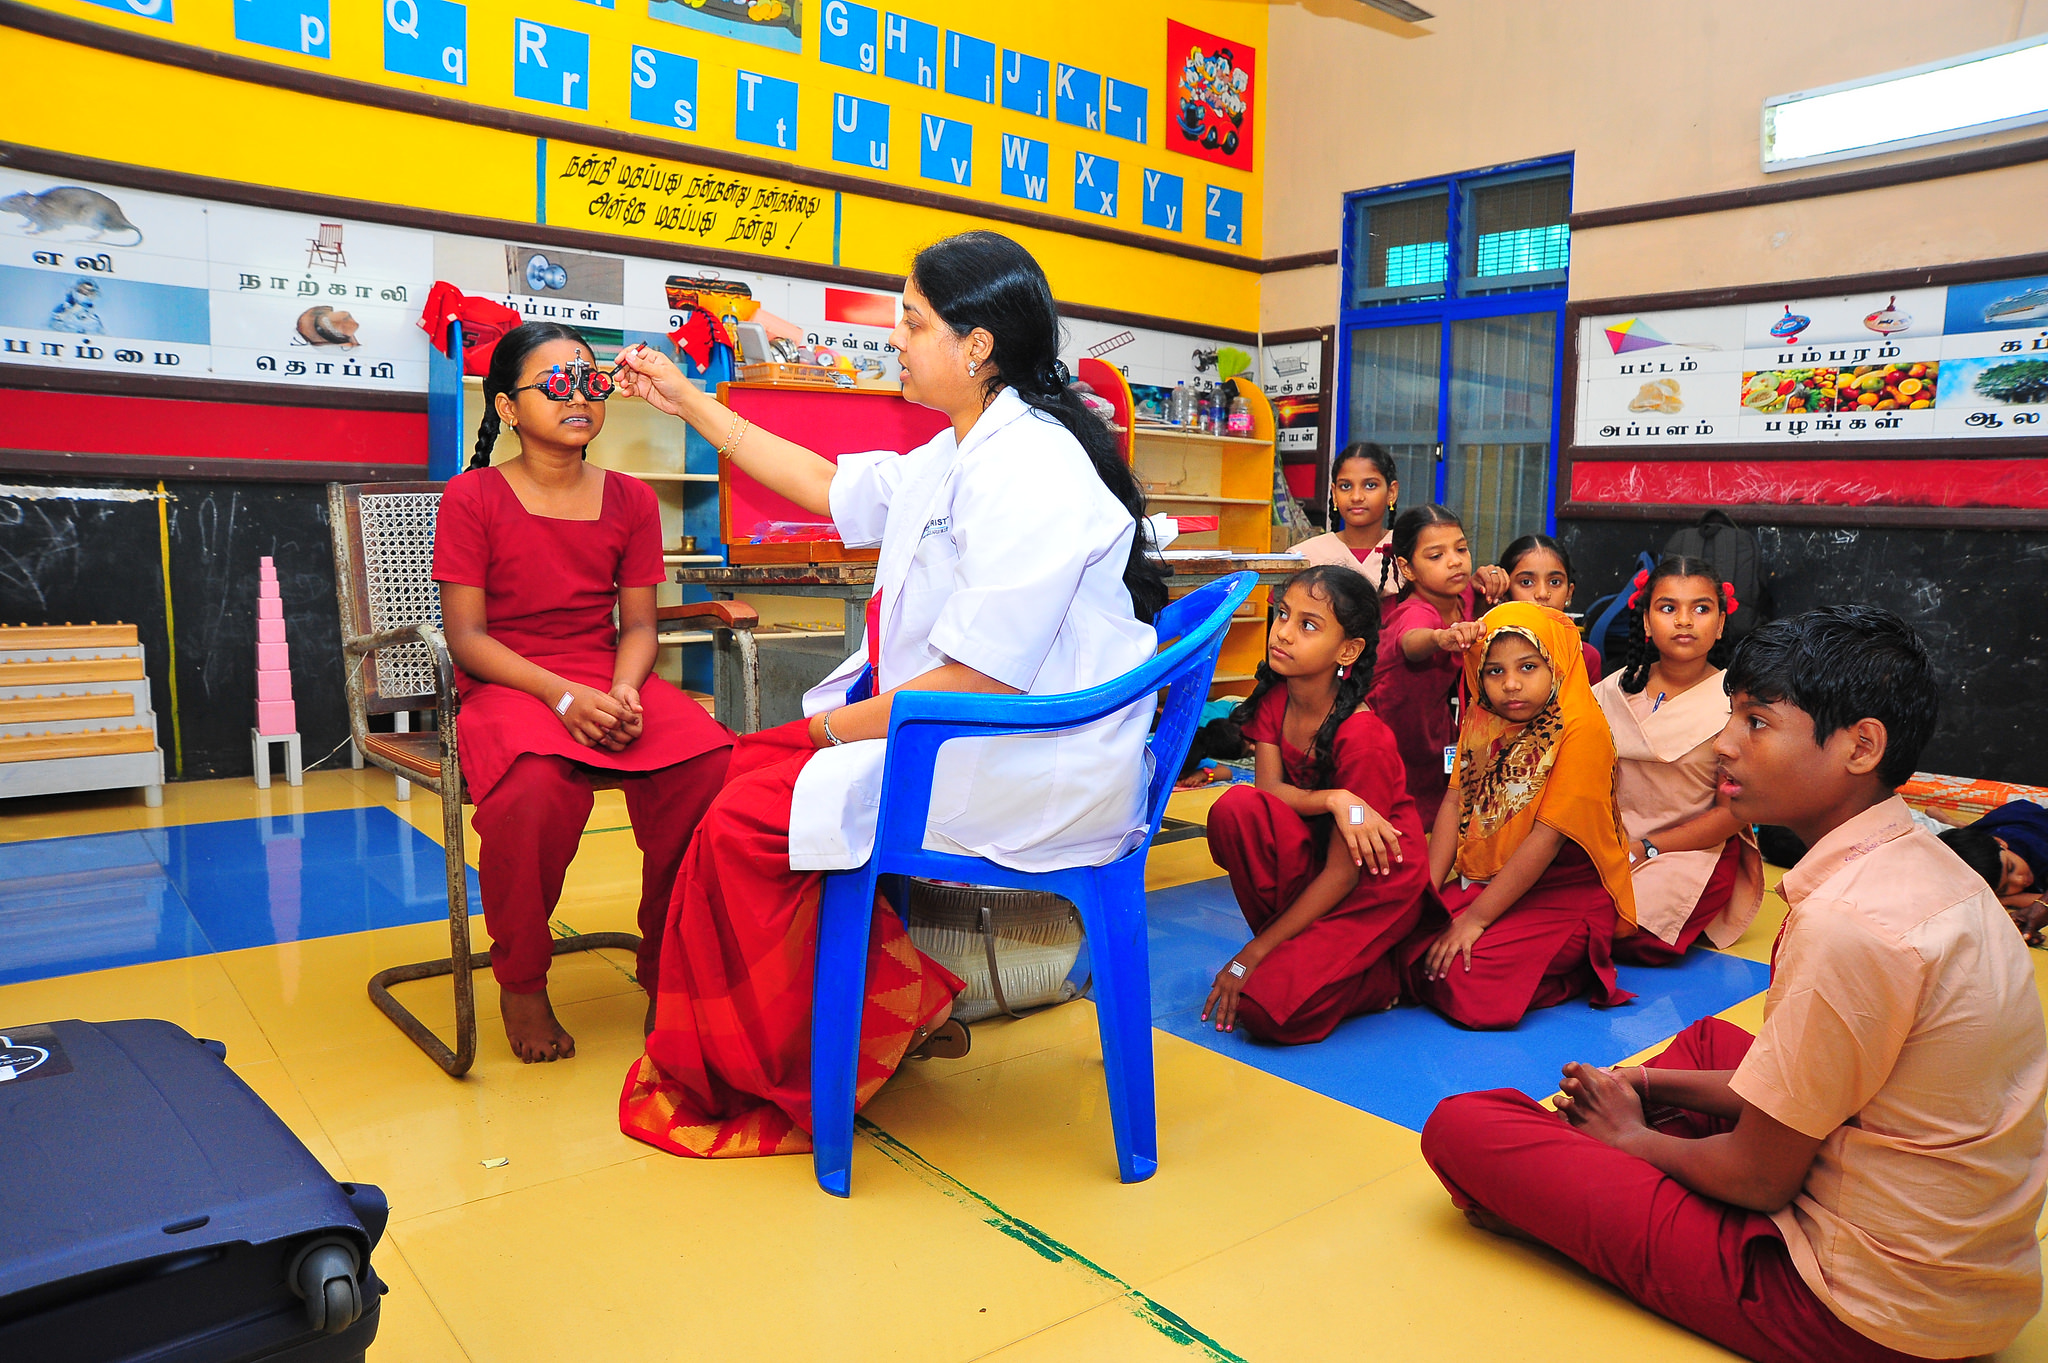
1152	1313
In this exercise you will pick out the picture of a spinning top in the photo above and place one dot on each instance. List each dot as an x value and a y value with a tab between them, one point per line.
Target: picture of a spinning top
1889	319
1788	327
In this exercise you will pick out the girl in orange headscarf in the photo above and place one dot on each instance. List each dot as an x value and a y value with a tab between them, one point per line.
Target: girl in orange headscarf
1531	830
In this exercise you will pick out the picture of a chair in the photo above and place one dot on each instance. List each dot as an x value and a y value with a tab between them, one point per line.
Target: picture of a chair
326	248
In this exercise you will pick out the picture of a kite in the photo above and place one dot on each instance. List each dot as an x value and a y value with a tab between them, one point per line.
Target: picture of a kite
1634	334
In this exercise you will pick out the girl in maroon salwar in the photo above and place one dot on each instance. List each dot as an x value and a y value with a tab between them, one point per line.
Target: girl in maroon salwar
533	555
1325	854
1422	642
1531	830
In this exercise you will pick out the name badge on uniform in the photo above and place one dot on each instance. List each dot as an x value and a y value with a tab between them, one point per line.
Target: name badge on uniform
1450	758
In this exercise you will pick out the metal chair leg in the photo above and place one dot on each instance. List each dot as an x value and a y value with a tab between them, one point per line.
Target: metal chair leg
461	961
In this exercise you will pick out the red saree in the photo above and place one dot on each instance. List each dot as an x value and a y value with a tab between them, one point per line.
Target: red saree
728	1066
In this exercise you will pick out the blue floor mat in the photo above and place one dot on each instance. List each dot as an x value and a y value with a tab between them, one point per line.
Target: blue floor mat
1399	1065
69	905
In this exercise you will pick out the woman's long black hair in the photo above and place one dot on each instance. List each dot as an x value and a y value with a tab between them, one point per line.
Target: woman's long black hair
983	279
508	362
1639	653
1356	606
1408	528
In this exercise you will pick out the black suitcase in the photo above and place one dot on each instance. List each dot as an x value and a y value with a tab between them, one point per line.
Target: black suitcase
153	1208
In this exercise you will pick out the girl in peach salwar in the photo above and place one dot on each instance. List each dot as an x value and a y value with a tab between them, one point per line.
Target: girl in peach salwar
1696	869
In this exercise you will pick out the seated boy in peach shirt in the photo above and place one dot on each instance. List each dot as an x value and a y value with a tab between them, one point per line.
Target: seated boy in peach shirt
1862	1179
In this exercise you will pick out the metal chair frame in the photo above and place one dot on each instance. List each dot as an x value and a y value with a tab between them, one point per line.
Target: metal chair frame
432	759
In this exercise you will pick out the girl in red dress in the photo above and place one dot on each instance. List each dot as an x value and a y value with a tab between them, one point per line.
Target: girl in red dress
1325	854
1422	639
532	556
1531	830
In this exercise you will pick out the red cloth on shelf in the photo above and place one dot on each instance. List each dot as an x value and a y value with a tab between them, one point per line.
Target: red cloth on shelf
1718	1270
549	590
1344	963
483	324
1554	944
727	1070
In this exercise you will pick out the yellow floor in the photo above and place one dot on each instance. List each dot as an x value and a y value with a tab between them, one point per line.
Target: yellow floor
986	1220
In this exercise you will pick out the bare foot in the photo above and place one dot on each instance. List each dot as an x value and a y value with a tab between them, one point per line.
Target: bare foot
531	1027
1487	1221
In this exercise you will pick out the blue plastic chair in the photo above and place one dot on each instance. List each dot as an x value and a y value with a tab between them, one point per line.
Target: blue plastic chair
1111	898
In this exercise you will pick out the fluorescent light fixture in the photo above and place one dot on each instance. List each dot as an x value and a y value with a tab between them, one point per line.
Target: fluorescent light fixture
1982	92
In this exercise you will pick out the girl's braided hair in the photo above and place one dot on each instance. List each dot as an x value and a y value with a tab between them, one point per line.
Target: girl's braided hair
1356	606
1408	528
1638	653
508	362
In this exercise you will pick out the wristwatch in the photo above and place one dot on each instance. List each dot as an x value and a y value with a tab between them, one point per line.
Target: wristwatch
1649	850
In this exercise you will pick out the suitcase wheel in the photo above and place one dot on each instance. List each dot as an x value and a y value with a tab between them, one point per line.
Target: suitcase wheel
325	1275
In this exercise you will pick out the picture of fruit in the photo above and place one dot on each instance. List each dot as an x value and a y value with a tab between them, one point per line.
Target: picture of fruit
2020	381
1864	388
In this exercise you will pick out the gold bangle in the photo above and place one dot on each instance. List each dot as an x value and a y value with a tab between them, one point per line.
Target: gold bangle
732	441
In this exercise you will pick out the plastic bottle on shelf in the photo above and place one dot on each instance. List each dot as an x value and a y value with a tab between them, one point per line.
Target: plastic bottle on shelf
1177	405
1205	410
1240	417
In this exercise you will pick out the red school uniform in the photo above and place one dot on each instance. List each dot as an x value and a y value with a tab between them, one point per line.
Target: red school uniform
1343	964
1414	699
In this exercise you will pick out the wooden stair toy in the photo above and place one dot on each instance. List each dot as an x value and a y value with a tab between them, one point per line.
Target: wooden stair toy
277	715
75	712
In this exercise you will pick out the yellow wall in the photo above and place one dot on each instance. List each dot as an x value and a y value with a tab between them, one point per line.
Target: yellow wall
1656	101
145	114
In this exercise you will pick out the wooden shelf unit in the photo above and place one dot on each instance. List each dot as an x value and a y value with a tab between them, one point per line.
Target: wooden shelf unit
1232	474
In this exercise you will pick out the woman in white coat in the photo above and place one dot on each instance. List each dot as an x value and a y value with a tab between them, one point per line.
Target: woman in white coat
1011	563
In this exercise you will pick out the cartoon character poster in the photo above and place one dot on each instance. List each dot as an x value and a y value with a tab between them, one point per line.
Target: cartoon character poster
1215	89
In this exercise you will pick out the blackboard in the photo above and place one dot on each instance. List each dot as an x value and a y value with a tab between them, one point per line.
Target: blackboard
77	558
1978	598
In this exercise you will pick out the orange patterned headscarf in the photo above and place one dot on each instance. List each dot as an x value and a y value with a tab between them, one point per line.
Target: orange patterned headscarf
1558	768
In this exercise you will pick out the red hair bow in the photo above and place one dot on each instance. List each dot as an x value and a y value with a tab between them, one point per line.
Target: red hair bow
1728	596
1639	581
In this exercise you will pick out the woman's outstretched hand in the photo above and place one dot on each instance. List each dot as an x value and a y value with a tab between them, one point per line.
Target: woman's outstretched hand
646	373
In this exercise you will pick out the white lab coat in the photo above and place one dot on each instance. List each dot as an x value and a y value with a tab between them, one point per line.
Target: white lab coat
1005	553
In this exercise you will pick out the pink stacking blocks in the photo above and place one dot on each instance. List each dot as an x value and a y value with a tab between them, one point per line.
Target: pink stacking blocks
275	711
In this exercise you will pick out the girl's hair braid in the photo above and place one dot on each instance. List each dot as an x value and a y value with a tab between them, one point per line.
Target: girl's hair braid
508	362
1356	606
1638	651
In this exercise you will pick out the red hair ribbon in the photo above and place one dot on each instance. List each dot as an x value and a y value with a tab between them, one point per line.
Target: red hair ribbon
1728	597
1639	581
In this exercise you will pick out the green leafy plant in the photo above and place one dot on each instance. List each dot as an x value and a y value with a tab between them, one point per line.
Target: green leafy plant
2019	381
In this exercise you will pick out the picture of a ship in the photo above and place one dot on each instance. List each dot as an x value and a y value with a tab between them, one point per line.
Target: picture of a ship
2021	307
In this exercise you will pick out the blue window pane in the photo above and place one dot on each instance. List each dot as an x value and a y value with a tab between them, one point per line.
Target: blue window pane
1524	251
1419	263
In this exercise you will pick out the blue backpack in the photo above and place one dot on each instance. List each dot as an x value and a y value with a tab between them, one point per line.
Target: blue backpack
1605	617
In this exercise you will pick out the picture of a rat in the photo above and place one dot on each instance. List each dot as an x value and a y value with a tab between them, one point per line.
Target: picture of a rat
71	206
79	312
324	326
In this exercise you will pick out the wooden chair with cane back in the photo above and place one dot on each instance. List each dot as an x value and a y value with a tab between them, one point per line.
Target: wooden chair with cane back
396	659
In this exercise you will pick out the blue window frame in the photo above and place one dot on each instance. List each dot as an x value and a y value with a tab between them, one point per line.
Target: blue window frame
1451	339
